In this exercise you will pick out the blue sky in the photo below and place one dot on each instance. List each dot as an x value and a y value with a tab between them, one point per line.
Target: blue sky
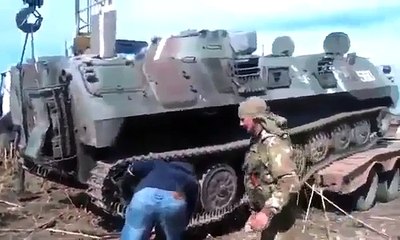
373	25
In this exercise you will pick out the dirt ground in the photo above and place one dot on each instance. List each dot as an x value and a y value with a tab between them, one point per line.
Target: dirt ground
46	211
384	218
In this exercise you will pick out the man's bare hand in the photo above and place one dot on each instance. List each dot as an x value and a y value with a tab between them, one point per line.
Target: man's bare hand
260	221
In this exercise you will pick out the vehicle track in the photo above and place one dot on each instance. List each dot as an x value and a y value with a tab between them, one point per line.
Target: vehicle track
106	194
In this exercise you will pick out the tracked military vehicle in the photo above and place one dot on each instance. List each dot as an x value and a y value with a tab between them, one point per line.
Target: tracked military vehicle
88	117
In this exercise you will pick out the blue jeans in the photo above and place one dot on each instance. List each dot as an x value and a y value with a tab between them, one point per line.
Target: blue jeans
150	207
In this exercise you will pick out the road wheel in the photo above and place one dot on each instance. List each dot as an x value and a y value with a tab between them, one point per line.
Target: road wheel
388	188
366	197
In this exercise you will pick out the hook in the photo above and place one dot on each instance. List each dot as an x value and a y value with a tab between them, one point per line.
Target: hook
21	20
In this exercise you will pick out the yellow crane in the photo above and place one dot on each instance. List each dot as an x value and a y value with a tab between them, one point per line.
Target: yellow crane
83	12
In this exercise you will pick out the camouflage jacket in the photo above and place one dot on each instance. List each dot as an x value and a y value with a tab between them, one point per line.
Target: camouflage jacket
270	173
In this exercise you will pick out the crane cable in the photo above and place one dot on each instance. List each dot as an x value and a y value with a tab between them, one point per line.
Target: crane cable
21	20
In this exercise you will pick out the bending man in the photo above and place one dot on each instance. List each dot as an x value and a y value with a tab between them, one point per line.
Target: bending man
165	197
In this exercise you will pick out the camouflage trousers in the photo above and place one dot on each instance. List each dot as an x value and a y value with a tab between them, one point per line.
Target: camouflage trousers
282	225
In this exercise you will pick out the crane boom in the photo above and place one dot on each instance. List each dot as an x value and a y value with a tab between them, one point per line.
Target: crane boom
83	12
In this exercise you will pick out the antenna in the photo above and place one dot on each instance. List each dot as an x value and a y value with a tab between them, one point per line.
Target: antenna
262	48
66	48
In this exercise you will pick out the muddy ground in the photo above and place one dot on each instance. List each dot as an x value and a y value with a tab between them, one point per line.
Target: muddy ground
46	211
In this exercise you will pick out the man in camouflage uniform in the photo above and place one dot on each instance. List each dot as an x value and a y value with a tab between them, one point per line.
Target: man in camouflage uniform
270	173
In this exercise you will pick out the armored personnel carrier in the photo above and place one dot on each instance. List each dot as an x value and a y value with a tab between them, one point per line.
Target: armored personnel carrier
88	117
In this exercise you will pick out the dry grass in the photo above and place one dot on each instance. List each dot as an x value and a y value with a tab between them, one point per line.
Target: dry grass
8	166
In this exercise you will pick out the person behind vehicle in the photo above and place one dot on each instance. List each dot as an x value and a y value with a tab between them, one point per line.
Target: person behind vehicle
270	174
165	197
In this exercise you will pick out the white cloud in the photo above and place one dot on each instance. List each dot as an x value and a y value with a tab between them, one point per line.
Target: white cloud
177	10
372	31
262	8
162	17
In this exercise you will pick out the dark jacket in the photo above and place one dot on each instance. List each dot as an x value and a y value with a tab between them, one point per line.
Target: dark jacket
173	176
